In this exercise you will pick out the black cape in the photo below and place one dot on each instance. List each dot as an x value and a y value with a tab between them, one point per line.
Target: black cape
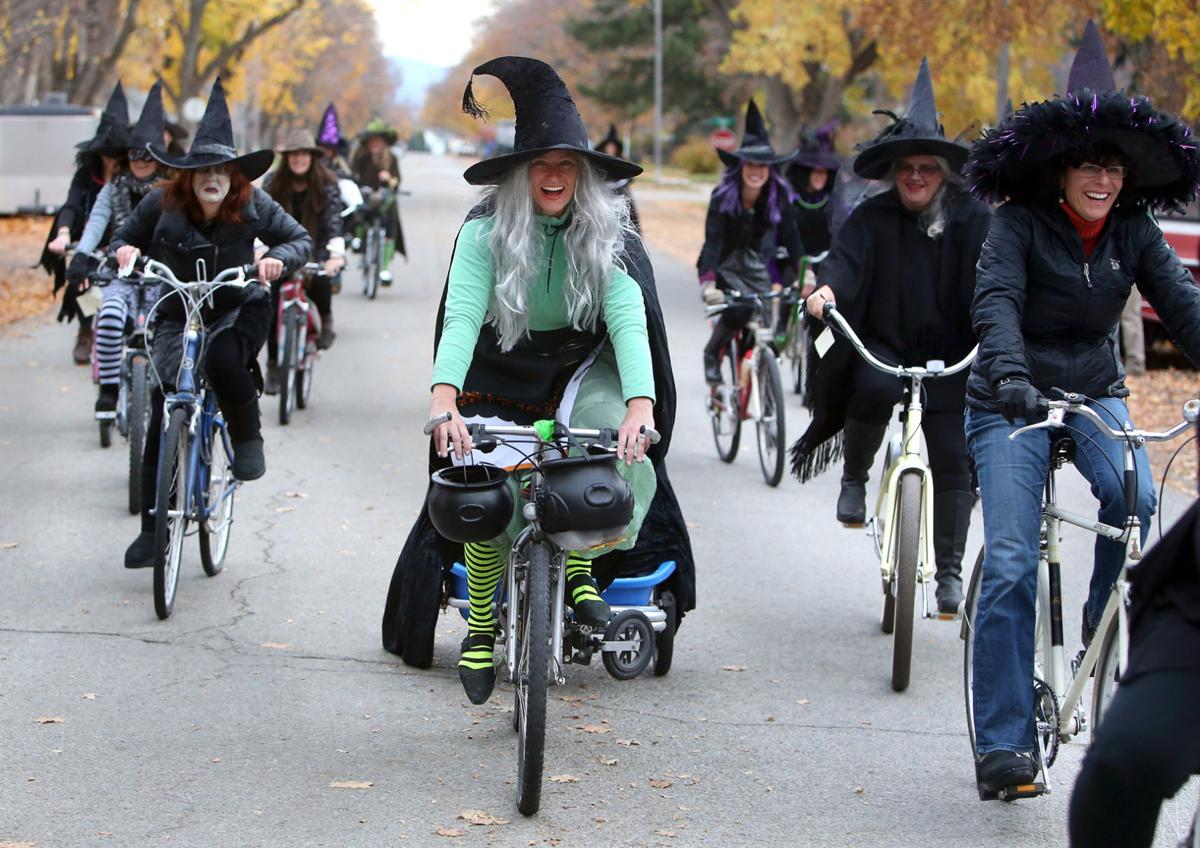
417	587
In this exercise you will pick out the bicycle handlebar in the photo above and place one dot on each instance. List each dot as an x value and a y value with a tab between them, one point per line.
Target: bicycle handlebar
237	277
933	368
1056	412
734	297
482	431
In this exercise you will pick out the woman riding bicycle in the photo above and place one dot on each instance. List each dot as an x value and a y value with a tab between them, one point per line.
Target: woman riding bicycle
1077	177
112	207
210	214
902	270
750	239
99	159
375	167
812	174
547	282
308	191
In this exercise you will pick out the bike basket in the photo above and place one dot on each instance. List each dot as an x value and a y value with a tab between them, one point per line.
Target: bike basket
584	502
470	503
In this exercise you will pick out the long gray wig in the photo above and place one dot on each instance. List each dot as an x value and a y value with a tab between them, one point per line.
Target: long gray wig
932	219
593	242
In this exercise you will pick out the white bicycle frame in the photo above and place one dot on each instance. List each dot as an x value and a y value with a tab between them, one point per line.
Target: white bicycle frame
903	458
763	336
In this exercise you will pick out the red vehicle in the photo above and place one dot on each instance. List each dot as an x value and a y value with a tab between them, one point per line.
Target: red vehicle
1183	234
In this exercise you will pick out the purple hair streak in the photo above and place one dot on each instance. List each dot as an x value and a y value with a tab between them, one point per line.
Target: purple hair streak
729	193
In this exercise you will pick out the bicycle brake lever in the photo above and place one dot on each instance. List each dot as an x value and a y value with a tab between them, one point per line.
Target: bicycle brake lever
1054	418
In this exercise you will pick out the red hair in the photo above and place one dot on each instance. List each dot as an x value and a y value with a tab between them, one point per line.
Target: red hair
179	195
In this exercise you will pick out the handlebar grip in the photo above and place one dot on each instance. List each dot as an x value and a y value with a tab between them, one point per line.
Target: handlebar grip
651	434
826	309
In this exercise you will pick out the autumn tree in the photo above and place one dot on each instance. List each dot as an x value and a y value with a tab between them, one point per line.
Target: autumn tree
1161	43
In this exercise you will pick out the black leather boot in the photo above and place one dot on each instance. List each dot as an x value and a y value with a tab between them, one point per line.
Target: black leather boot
862	442
325	342
721	335
141	553
243	421
951	521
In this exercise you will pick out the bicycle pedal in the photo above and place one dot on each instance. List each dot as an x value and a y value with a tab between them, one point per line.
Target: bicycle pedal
1025	790
106	416
851	526
945	616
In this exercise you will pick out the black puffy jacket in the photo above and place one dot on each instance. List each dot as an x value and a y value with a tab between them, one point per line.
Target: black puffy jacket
725	233
1045	313
168	236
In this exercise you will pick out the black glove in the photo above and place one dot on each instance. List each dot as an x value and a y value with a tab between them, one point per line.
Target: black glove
1017	399
78	269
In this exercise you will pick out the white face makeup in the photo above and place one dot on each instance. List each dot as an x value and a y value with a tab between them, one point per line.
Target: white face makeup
211	185
552	180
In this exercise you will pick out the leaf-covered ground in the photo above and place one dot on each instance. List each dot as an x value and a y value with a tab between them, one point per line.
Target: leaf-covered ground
24	291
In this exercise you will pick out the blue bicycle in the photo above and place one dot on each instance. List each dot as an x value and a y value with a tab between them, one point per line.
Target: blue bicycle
195	477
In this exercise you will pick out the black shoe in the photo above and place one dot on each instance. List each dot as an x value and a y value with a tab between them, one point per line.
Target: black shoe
998	770
325	342
271	382
590	609
477	667
852	502
861	442
107	401
712	370
141	553
249	463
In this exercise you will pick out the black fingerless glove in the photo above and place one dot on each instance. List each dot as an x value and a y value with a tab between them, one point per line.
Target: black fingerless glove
1017	399
79	268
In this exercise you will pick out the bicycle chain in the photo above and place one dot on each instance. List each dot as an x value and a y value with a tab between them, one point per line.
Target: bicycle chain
1042	693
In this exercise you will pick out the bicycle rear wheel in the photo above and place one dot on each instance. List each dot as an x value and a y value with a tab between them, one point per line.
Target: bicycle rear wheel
908	544
371	264
218	506
798	356
725	409
771	430
967	634
138	416
532	680
287	373
170	512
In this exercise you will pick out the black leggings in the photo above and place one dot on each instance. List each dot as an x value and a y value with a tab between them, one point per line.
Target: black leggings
874	396
319	291
1143	752
227	368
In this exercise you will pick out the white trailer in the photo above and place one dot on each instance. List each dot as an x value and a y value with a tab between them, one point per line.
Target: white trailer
37	154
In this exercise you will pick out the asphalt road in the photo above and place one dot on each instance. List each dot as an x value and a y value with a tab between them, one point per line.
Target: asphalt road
229	723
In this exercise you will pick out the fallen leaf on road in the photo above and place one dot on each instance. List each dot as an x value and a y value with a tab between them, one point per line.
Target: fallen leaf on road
89	696
216	759
480	817
449	831
49	720
803	701
570	699
8	546
285	509
611	761
351	784
733	668
294	495
278	646
16	844
664	832
595	728
628	743
660	784
564	778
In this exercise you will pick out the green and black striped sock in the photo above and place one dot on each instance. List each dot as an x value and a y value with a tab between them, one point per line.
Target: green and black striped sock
485	567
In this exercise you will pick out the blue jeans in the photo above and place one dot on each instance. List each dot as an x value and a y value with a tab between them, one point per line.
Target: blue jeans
1012	476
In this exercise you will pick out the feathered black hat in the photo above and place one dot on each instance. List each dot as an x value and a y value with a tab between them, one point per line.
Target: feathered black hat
816	148
329	133
918	133
612	138
756	144
546	120
213	144
1009	161
148	131
112	133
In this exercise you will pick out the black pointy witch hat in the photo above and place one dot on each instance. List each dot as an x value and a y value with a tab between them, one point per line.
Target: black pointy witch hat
756	144
112	133
917	133
213	144
1011	161
816	148
546	120
148	131
612	138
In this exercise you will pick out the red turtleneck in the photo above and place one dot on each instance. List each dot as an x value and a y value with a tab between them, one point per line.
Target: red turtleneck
1089	231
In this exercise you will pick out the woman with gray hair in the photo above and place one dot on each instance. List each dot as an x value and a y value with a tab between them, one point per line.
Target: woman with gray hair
550	312
902	272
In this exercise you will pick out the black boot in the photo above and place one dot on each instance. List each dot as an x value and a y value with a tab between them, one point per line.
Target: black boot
271	381
141	553
951	521
325	342
721	335
862	442
477	668
243	421
107	401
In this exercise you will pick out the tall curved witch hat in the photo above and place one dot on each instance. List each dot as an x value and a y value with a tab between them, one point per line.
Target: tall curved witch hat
816	148
213	144
148	131
612	138
1010	160
112	133
329	133
756	144
546	120
917	133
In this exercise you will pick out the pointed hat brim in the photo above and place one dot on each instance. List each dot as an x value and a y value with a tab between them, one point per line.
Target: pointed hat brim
874	162
252	165
492	171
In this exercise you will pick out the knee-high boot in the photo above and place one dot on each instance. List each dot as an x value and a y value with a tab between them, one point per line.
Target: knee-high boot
721	336
249	463
862	442
951	521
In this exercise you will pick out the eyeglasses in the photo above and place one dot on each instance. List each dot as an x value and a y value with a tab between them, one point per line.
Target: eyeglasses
139	154
1116	173
925	169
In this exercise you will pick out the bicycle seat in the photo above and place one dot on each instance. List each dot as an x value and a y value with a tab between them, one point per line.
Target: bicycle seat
1062	451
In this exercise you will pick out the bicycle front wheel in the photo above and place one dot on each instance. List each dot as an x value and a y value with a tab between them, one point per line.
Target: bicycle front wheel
218	506
724	408
771	430
138	416
371	269
533	679
304	379
798	356
287	372
908	543
967	634
170	512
